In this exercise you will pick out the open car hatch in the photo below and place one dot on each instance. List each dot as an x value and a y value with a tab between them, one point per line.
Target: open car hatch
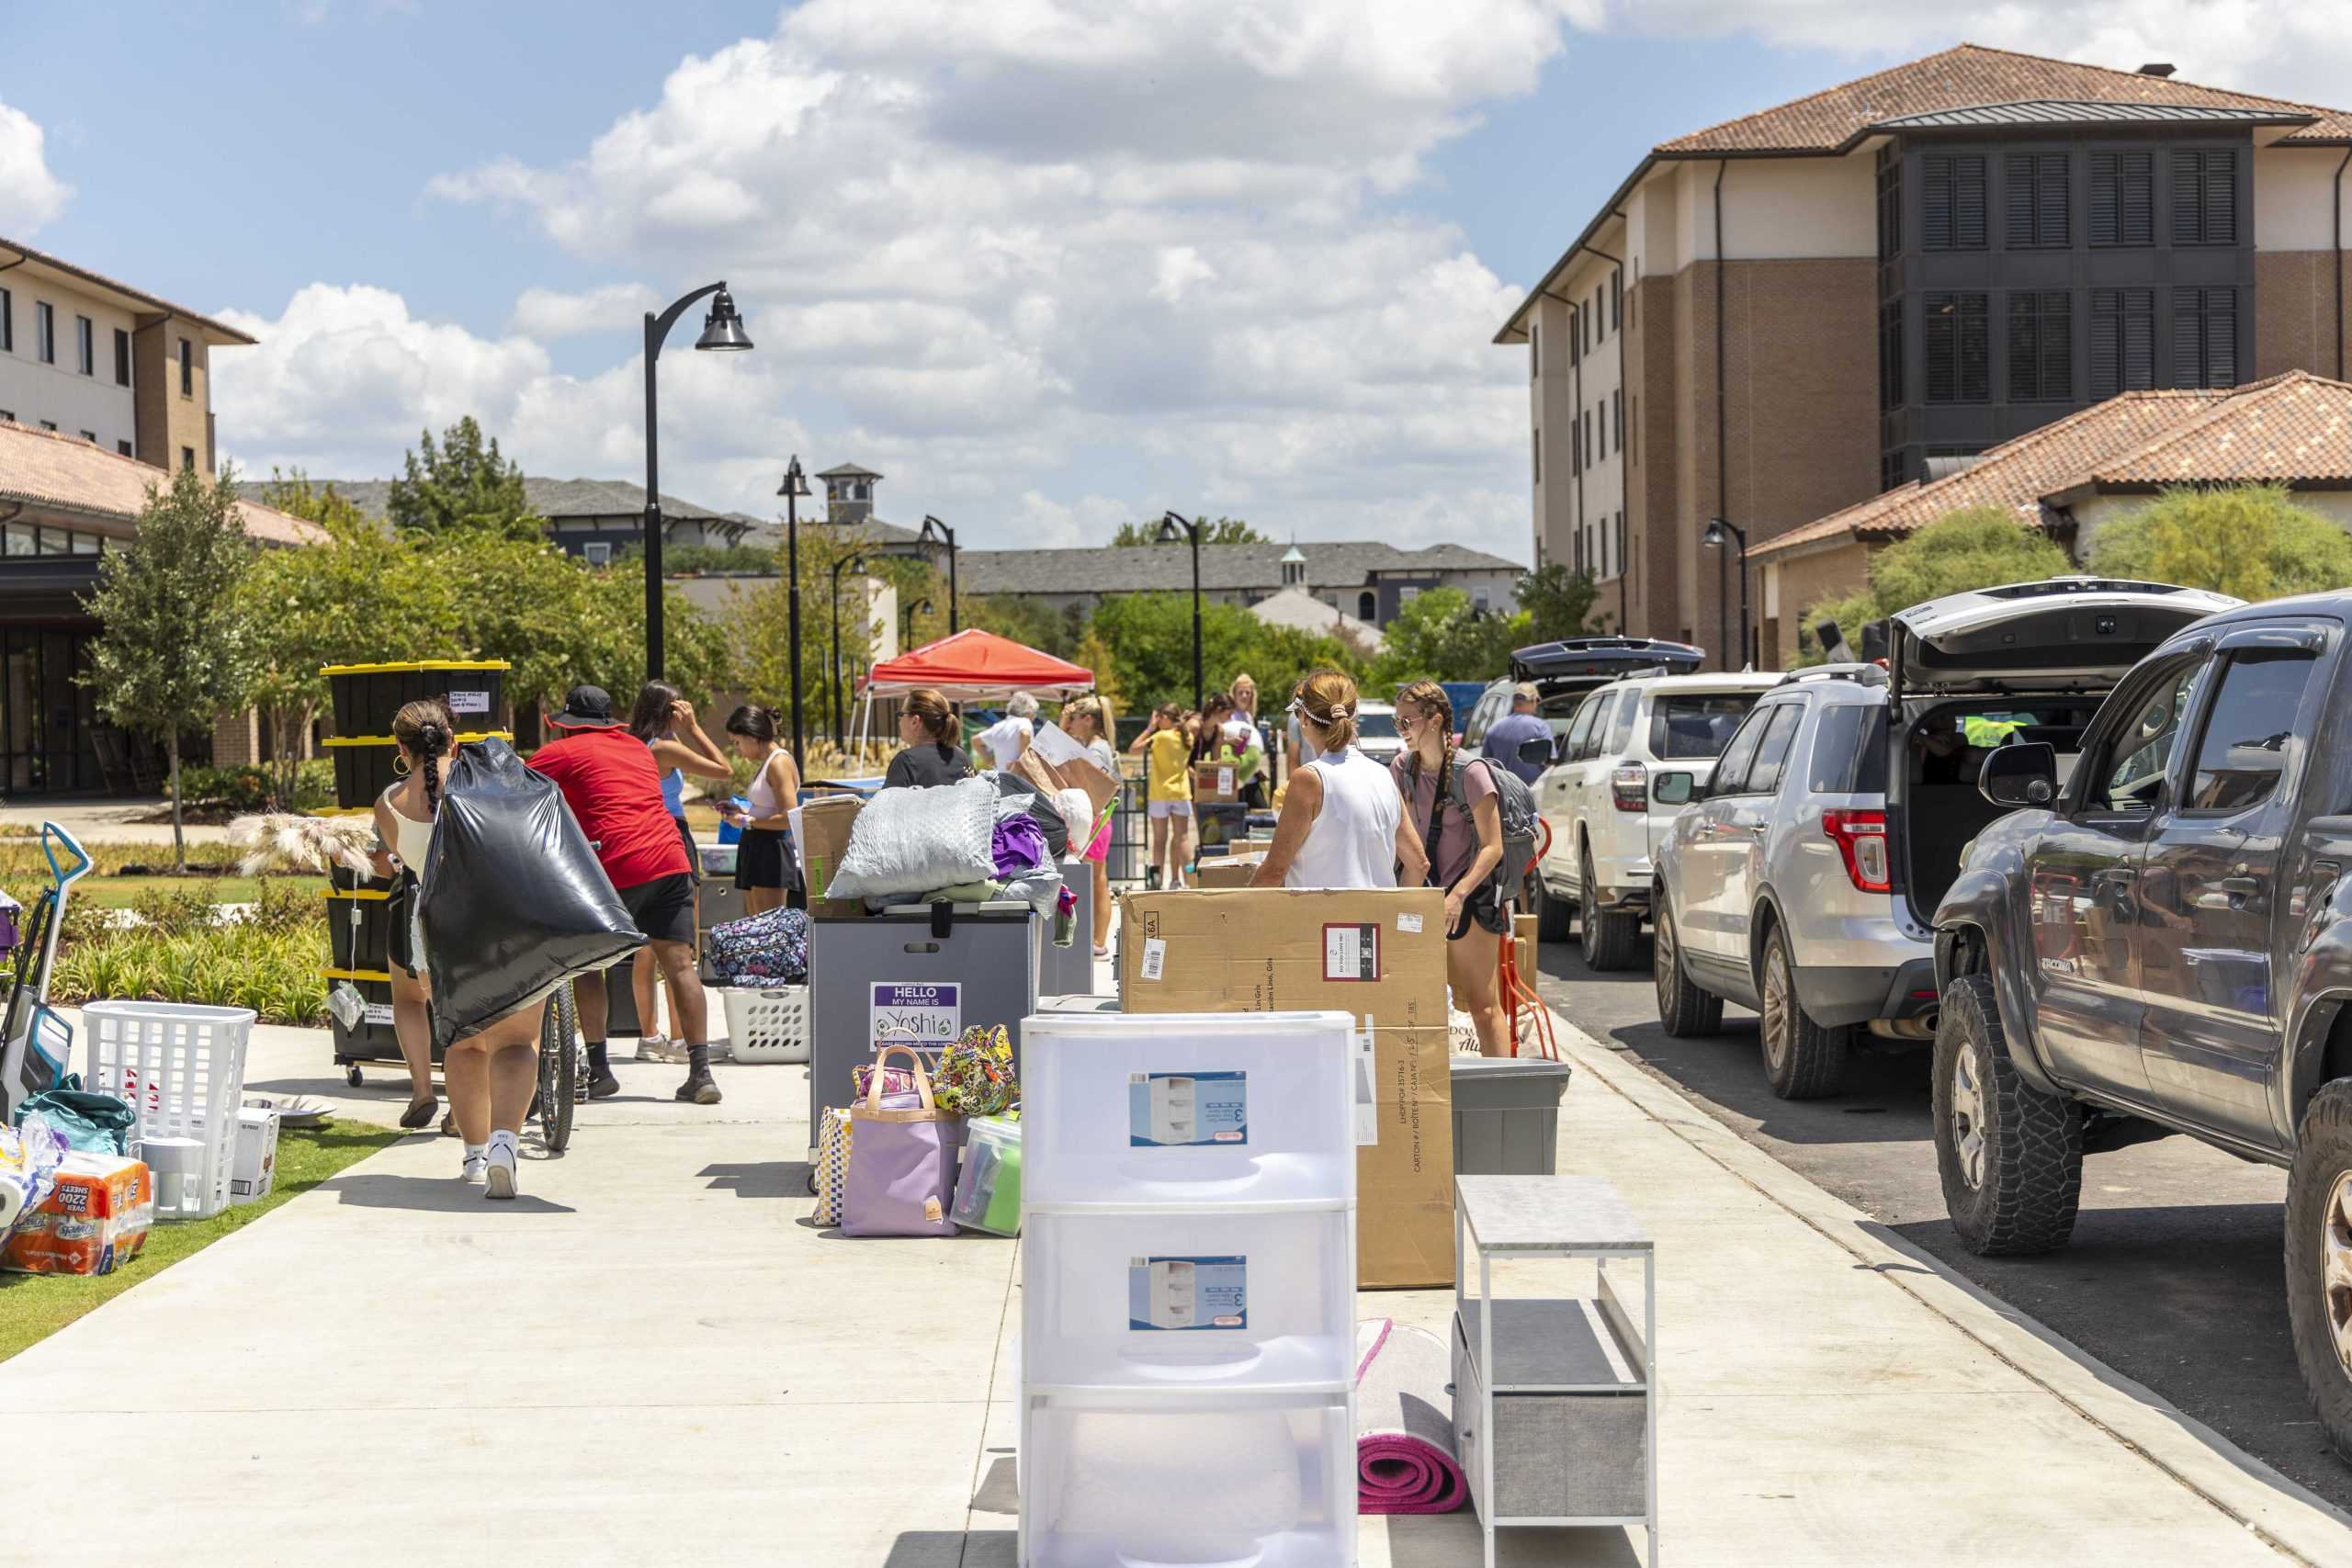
2061	634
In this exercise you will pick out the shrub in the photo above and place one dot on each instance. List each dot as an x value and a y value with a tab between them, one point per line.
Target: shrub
237	963
247	787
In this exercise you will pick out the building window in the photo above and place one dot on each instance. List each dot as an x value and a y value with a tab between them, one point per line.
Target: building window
1535	351
188	459
122	358
86	346
91	437
2205	197
45	331
1633	446
1592	453
2124	199
187	369
2204	337
1539	457
49	424
2041	346
1599	321
123	447
1959	349
2038	201
1889	204
7	416
1953	201
1890	354
1580	552
1481	597
8	321
1601	413
1367	607
1621	542
1617	300
2123	340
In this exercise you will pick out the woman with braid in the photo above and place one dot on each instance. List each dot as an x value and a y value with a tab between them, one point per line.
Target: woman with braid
1451	803
492	1074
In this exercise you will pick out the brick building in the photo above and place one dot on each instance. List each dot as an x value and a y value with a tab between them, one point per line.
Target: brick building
1786	314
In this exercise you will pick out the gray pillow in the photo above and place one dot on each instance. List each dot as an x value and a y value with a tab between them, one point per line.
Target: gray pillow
913	840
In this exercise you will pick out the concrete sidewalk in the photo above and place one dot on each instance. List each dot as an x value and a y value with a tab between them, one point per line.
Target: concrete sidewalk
653	1353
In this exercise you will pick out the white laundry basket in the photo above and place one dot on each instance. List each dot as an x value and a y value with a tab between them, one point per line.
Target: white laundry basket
768	1025
181	1068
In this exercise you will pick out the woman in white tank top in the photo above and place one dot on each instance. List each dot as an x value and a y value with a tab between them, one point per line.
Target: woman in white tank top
1342	823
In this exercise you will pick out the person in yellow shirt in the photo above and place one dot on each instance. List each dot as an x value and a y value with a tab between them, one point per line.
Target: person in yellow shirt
1167	748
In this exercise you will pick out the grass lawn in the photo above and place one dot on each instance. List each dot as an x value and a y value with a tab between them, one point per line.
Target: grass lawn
34	1306
121	892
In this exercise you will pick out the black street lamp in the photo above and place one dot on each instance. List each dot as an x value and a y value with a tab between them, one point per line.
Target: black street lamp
1168	524
839	567
794	486
1718	534
722	330
933	533
921	608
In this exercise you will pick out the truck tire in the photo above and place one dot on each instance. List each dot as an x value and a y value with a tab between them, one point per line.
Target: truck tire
2011	1157
2319	1259
1612	938
1684	1011
1552	913
1802	1059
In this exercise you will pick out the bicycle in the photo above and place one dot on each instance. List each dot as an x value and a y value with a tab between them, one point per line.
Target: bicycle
564	1075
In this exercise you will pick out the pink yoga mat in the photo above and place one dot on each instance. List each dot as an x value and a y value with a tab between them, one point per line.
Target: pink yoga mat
1404	1461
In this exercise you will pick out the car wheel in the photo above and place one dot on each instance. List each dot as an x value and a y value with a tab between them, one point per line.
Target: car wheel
1802	1060
2011	1157
1554	913
1683	1009
1612	938
2319	1259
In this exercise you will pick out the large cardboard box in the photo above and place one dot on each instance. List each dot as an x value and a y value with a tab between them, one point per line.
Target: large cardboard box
1523	944
1055	762
1227	871
1216	783
1378	955
825	826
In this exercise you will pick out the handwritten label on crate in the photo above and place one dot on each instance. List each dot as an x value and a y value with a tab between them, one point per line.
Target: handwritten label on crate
925	1012
378	1012
468	702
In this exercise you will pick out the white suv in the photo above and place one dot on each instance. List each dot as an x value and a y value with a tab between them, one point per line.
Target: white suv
1596	799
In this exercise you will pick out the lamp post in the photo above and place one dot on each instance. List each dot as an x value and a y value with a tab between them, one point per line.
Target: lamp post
933	533
722	330
794	486
1168	524
839	567
921	608
1719	532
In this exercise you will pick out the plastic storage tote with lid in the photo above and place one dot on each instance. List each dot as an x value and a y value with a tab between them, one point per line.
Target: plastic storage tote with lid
1189	1110
1506	1115
1194	1300
988	1191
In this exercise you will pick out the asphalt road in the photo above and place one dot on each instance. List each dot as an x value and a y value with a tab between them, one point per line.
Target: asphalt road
2173	1277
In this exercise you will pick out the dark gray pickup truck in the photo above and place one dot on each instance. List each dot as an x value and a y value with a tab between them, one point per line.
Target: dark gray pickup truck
2158	938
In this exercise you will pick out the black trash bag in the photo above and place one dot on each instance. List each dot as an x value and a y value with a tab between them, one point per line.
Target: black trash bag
1041	808
515	900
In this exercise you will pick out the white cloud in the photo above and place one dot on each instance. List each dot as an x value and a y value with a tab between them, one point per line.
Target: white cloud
29	195
551	313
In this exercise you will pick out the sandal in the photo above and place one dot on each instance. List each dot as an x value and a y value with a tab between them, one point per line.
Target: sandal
419	1112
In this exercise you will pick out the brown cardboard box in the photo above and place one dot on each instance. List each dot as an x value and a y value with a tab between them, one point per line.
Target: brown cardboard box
1371	954
825	825
1522	936
1055	762
1216	783
1227	871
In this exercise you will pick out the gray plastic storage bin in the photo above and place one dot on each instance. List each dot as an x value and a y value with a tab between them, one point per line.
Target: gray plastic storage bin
1506	1115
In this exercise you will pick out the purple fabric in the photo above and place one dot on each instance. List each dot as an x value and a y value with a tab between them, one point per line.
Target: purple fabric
1019	845
901	1178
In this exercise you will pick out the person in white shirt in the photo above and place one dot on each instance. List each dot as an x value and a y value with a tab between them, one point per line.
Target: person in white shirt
1009	736
1344	823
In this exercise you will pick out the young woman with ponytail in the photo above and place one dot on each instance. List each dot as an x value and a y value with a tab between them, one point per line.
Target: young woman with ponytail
492	1074
1463	849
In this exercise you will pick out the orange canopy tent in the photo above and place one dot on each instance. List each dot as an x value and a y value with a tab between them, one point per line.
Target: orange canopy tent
975	665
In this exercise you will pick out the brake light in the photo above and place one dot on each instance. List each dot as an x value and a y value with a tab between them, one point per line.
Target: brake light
1629	786
1860	837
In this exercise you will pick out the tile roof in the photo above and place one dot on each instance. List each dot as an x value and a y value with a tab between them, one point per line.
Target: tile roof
1141	569
2295	427
847	471
1966	75
48	468
222	332
2078	111
551	499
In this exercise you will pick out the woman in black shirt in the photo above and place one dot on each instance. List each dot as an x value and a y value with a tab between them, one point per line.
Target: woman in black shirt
924	723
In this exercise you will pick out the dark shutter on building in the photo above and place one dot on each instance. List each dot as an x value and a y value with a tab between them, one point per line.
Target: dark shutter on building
2124	199
2041	346
1953	202
2204	337
2205	197
1959	349
2037	200
2123	340
1892	393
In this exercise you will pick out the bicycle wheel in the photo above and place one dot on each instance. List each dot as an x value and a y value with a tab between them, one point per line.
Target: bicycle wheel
558	1071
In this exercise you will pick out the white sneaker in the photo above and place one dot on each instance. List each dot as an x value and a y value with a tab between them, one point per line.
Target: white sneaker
475	1168
499	1178
659	1048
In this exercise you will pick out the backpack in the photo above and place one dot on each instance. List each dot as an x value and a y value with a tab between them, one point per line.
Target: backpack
1515	804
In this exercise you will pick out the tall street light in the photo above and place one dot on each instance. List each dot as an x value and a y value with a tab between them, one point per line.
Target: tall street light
1718	534
839	567
722	330
1168	524
921	608
933	534
794	486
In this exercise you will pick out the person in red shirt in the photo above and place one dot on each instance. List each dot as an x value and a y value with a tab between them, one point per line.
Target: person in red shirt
613	787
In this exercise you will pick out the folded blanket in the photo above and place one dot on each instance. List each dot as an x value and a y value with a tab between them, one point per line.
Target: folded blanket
1405	1459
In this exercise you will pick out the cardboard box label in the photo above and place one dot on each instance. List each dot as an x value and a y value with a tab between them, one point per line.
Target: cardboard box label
1155	958
1184	1110
1188	1294
1409	924
1352	951
1225	781
926	1013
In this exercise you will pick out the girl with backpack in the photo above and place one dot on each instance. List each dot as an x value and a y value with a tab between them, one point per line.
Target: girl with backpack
1452	805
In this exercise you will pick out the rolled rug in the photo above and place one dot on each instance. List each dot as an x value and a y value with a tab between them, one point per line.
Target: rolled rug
1405	1459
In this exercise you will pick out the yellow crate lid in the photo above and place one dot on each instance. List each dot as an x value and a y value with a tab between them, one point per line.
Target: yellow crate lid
414	664
383	975
506	735
359	893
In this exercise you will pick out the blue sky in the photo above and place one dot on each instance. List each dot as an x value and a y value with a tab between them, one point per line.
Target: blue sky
1044	263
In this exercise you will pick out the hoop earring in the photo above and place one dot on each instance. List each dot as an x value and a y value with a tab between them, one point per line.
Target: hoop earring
400	765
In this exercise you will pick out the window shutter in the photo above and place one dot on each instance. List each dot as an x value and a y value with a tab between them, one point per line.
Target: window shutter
1935	203
1968	203
1976	351
2220	337
2018	189
1941	335
2122	198
2037	199
2058	347
2107	370
2221	200
1960	349
2123	340
2188	198
2188	338
2139	338
2025	349
2105	199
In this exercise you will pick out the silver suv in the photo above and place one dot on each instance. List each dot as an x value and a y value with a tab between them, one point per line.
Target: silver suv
1804	882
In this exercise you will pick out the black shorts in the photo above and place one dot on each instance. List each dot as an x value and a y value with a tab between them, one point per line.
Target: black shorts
1480	906
663	909
400	910
693	855
764	858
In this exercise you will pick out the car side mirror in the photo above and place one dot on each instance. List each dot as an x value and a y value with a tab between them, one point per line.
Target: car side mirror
1675	789
2020	773
1535	752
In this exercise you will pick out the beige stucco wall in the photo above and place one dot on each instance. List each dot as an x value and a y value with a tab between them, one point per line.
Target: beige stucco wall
60	393
2293	197
1774	209
1795	584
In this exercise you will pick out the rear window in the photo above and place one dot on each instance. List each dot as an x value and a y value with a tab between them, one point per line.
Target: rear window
1379	725
1849	749
1696	727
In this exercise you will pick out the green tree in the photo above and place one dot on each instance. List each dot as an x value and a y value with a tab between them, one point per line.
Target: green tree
1438	635
1556	601
173	649
1284	654
1025	621
463	483
1977	547
1217	531
1150	640
757	627
2252	541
